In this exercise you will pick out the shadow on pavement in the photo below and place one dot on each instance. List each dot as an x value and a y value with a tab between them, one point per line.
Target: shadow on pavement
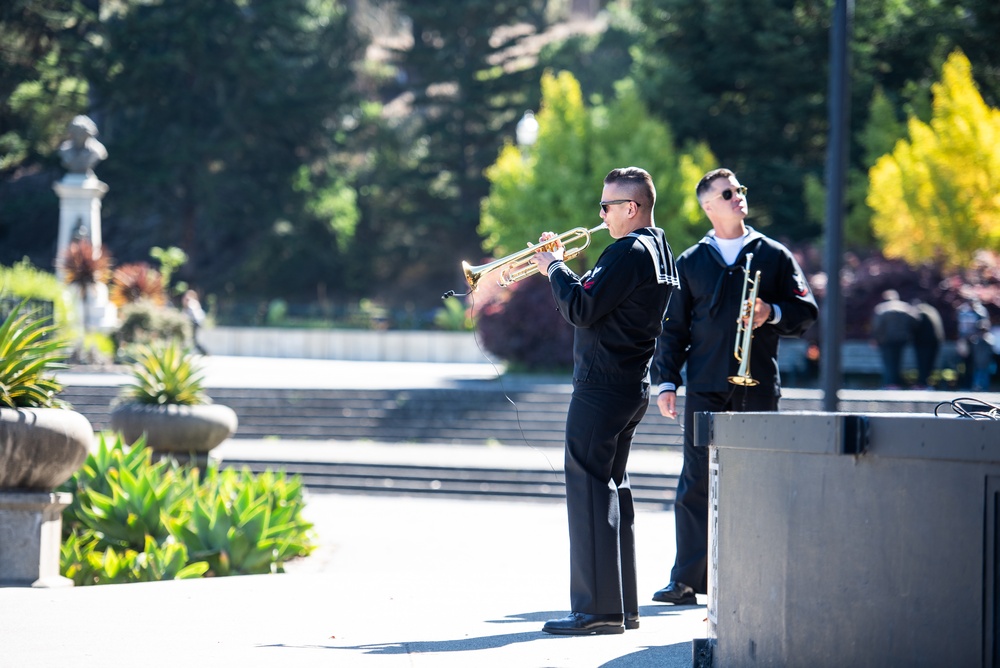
433	646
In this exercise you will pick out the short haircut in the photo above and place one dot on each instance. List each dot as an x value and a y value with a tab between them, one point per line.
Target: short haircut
706	181
637	182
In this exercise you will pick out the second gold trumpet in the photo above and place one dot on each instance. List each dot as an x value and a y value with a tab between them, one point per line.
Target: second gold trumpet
517	266
744	327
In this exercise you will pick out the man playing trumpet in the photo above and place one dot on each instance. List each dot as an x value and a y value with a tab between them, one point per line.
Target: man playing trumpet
617	311
704	319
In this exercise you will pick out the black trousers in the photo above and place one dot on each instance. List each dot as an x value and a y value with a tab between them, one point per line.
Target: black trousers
599	427
691	507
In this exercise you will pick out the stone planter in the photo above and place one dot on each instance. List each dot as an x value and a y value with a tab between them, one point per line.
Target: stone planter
41	448
180	431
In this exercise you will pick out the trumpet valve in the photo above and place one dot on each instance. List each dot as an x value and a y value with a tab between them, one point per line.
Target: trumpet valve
550	247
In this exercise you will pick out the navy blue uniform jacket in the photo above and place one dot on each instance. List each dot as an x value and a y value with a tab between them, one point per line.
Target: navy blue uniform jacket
617	307
701	319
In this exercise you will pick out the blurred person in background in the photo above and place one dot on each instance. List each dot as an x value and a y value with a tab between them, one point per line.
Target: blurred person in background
970	315
928	335
196	316
894	324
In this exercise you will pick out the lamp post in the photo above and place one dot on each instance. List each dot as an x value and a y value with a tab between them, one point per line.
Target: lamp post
527	130
836	173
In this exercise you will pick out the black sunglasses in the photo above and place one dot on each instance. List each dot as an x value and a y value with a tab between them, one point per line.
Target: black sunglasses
727	194
605	205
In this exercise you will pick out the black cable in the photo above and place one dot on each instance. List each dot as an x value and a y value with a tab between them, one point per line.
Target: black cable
970	407
475	337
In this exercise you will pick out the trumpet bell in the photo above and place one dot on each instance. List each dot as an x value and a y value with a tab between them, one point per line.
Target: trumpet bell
745	381
473	274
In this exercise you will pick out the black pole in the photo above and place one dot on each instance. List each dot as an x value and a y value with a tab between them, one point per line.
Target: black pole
832	330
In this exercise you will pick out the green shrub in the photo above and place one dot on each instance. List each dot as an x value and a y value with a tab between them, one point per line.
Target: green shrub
133	520
145	322
453	316
245	525
24	281
98	347
85	563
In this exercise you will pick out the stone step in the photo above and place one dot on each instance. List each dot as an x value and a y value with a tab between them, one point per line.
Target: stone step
450	416
441	416
402	479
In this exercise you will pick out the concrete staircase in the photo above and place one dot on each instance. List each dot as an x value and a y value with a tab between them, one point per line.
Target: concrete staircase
475	414
659	490
480	413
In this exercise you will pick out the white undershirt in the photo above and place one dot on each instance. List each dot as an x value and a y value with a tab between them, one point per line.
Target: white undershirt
730	248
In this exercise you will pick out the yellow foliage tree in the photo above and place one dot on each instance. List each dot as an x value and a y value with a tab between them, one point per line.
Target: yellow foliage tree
937	195
556	183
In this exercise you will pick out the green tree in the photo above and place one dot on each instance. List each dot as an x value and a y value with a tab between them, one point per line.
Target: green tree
935	196
743	77
548	184
562	173
466	79
880	133
751	80
211	111
40	84
41	89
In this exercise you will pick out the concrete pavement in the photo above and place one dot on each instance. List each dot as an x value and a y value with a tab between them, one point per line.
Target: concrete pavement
256	372
395	581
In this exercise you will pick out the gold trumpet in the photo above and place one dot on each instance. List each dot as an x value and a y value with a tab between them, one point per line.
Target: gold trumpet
744	327
517	266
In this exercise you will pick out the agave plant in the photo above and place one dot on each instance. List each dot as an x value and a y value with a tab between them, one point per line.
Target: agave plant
165	374
29	352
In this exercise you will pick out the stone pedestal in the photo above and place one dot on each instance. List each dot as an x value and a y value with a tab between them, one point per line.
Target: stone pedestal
30	536
80	198
96	311
79	210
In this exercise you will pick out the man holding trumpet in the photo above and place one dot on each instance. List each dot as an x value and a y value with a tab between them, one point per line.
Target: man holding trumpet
617	311
705	317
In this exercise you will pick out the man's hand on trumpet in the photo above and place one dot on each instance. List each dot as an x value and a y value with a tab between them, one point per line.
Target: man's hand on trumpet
761	313
548	254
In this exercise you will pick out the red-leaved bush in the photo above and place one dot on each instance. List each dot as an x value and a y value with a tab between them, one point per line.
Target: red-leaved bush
521	326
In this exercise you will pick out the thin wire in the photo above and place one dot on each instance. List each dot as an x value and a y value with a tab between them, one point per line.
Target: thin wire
475	337
976	409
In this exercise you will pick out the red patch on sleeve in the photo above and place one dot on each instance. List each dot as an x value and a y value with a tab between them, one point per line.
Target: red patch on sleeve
801	289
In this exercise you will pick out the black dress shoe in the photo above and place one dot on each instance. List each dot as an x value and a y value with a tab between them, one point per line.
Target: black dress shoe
677	593
580	624
631	620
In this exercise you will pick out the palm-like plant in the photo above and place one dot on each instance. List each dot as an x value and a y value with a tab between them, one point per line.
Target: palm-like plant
137	281
83	265
164	374
29	352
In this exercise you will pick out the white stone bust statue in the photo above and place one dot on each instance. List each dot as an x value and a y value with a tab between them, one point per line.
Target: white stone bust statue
82	151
